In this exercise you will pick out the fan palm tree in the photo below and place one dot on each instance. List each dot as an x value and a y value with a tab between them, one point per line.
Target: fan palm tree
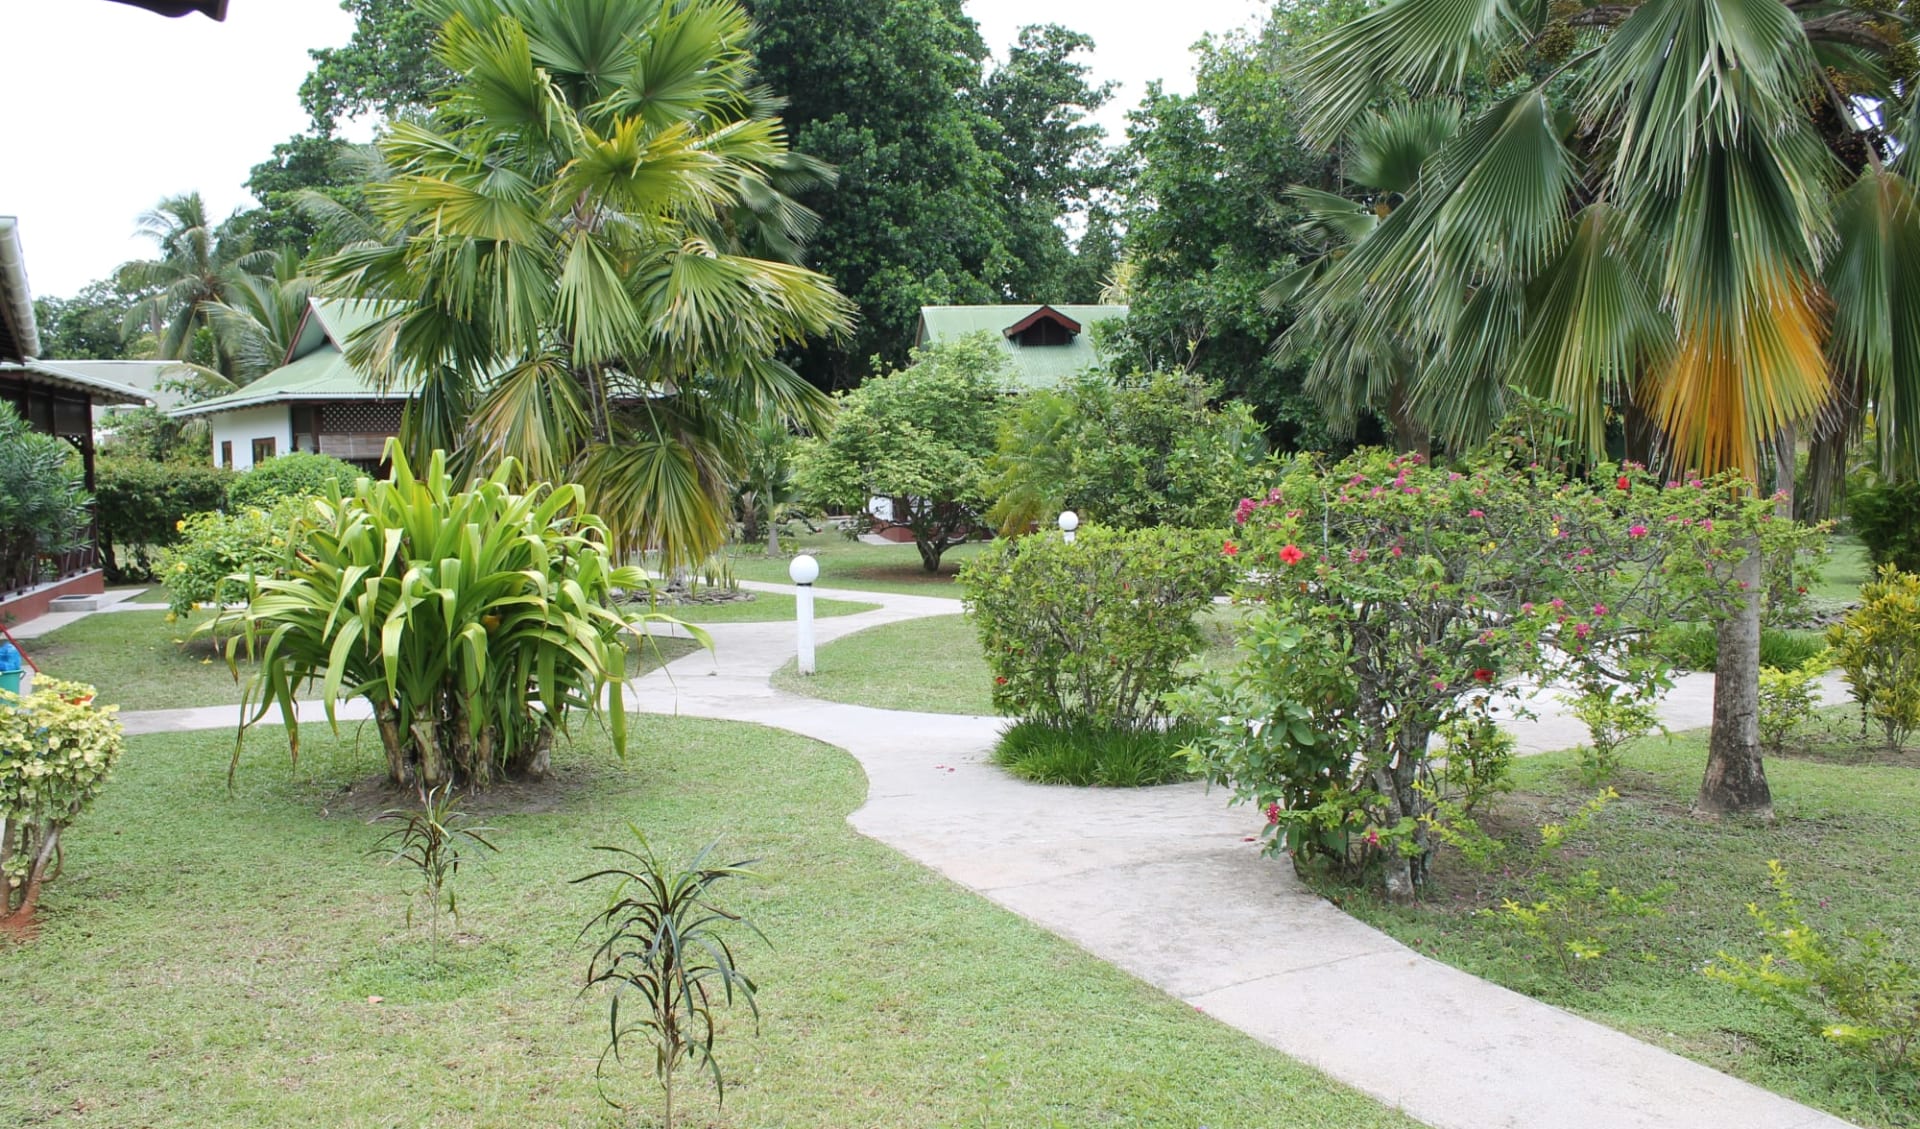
571	291
1351	373
1702	207
200	264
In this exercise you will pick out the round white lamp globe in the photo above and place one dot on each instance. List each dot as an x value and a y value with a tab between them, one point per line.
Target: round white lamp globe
804	569
1069	521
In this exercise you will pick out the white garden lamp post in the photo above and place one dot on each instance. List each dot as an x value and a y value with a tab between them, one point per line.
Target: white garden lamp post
804	570
1069	521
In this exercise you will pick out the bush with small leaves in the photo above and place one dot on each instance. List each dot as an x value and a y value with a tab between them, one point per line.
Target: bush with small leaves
57	747
1877	649
1856	993
218	552
1094	630
663	946
297	474
1787	699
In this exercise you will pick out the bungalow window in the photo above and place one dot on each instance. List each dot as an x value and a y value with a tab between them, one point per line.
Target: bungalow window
263	449
226	452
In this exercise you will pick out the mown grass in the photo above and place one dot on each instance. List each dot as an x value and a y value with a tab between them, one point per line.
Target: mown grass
760	607
1847	569
1848	816
846	563
935	665
139	661
236	958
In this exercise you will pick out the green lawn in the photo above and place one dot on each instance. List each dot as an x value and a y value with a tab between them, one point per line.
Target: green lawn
236	958
1847	569
139	661
934	665
1848	817
760	607
857	565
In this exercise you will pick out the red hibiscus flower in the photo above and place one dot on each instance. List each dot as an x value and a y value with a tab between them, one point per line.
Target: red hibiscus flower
1291	555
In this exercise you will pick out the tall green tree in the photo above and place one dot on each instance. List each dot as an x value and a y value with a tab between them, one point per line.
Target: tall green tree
1209	223
557	248
200	264
387	68
952	179
1699	208
260	316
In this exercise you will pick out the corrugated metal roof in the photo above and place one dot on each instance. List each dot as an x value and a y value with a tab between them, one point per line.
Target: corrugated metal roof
56	373
19	336
1034	366
319	370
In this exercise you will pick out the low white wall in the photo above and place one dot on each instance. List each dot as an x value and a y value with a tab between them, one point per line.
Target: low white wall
242	427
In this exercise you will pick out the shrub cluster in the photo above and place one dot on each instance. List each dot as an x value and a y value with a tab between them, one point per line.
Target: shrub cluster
140	505
43	510
216	553
298	474
1877	648
56	749
1092	631
1883	519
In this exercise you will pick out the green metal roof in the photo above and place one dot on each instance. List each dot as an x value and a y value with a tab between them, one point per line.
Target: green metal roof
317	367
1034	366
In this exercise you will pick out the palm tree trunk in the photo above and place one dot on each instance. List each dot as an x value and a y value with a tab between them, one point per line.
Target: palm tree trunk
1736	780
1410	436
1826	471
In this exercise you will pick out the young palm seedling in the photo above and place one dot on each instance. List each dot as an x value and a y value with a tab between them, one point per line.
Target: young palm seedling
430	840
663	951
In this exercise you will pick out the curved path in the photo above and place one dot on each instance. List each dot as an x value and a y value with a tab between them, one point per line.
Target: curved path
1165	883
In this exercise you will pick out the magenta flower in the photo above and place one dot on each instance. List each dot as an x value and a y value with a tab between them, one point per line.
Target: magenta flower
1637	531
1582	630
1476	513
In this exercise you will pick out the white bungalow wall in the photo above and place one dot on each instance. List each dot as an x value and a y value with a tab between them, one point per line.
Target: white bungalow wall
242	427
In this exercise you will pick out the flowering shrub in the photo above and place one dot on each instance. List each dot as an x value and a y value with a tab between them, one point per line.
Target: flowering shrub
218	551
56	749
1877	648
1095	630
1617	711
1396	599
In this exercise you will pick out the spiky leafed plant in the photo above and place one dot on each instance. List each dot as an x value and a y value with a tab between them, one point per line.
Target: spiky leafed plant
663	947
477	623
1702	208
570	243
432	839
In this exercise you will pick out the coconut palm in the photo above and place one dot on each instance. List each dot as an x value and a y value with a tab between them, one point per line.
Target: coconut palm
570	290
1699	207
200	264
257	319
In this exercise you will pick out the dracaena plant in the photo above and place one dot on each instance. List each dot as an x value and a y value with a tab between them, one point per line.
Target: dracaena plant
431	840
664	951
478	623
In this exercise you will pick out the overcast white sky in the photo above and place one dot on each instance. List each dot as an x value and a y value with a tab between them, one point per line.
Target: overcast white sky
110	108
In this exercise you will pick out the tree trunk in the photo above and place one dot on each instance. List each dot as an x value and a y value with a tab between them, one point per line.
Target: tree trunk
1410	436
930	551
1786	454
773	536
1638	431
1826	474
1736	780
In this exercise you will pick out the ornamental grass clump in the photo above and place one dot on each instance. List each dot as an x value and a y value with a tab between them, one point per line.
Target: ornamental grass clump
57	748
477	623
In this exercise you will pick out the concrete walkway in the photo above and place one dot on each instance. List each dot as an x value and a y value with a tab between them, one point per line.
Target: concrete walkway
1164	883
